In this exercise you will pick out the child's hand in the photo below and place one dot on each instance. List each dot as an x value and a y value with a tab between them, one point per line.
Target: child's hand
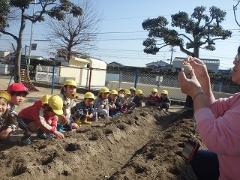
75	126
58	134
90	116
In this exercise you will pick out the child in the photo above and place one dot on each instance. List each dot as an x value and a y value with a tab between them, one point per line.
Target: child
128	102
101	103
164	100
139	99
113	110
41	117
68	95
18	93
120	99
133	92
153	99
7	119
83	112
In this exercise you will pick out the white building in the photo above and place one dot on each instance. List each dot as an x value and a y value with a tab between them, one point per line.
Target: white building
212	64
85	72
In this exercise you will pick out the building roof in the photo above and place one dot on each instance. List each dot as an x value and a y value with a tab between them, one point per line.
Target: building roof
157	63
205	60
115	64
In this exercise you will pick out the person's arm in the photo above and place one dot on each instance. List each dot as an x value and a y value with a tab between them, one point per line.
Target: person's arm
223	104
220	135
202	75
45	126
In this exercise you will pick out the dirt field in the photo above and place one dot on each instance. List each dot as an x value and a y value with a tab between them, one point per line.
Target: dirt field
145	144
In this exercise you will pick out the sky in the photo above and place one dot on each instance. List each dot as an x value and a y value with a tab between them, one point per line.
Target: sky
120	33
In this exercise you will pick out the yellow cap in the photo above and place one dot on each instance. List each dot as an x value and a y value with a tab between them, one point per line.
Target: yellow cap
127	92
120	89
104	90
132	89
45	99
56	103
5	95
89	95
164	92
154	90
114	92
70	82
139	92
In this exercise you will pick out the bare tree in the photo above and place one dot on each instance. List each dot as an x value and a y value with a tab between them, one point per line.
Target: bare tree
75	33
53	8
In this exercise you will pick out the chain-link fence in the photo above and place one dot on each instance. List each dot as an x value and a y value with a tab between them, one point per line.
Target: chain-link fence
163	80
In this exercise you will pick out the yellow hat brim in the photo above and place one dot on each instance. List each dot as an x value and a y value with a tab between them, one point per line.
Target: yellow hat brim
58	112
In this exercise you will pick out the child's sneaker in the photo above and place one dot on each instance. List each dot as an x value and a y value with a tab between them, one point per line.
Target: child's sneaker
26	140
42	135
60	128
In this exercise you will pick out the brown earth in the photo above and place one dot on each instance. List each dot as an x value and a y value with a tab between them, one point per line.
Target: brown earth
145	144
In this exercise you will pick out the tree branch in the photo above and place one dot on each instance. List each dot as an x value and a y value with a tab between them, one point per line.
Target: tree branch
234	11
186	37
185	51
10	34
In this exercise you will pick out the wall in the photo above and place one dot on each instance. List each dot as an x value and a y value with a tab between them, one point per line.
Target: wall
4	69
174	93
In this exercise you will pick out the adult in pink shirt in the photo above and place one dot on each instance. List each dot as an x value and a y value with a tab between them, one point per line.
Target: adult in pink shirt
217	121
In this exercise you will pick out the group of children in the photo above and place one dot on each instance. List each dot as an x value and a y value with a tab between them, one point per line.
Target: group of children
50	116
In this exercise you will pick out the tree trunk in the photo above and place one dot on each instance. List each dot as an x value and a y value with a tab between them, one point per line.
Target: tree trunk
69	51
196	52
17	64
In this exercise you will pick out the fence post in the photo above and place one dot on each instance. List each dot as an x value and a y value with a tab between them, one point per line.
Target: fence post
90	78
53	78
120	79
136	78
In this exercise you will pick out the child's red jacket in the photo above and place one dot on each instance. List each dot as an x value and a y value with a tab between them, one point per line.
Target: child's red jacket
35	114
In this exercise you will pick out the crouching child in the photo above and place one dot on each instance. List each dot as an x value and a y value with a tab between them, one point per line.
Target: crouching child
164	100
8	120
101	104
41	118
112	99
139	99
83	112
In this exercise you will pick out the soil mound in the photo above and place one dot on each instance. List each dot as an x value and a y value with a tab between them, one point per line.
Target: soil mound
145	144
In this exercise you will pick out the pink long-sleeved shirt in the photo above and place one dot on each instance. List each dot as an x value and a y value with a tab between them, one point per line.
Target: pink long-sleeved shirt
219	128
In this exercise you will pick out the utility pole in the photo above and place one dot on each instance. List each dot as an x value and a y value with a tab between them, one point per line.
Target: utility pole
172	50
30	45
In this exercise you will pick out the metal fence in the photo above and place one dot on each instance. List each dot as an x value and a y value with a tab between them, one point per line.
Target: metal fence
146	80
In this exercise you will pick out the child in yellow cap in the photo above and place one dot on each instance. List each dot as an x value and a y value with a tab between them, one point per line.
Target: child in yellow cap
128	102
83	112
113	110
69	97
8	120
153	99
41	116
101	103
139	98
164	100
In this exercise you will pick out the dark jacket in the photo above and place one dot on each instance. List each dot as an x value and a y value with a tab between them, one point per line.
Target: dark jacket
8	120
